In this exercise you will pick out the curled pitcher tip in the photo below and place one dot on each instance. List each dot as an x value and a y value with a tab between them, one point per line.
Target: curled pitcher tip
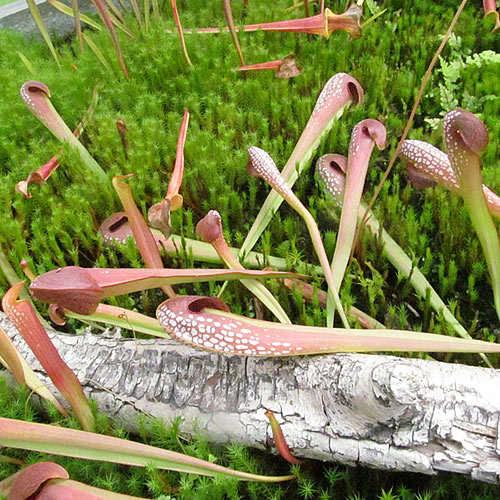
209	228
463	129
34	86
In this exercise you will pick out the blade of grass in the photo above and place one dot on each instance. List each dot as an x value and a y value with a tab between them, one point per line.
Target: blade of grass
26	62
35	12
68	11
87	445
230	22
137	12
146	14
78	26
35	384
97	52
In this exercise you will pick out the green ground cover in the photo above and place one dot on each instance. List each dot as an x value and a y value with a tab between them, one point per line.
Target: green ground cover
229	113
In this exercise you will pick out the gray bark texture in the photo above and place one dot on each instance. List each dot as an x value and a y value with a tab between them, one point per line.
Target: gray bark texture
371	410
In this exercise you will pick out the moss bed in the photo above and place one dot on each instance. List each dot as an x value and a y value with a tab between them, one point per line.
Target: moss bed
229	113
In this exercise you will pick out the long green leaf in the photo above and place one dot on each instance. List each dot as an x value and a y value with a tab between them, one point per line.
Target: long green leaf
81	444
104	14
32	381
123	318
97	52
35	12
26	62
68	11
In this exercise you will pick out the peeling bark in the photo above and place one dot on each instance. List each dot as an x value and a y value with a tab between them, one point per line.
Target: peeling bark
371	410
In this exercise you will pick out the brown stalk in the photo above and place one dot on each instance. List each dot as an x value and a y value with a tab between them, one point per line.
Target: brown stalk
230	22
103	13
180	31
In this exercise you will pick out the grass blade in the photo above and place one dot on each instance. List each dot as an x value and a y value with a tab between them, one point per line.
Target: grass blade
97	52
68	11
81	444
180	31
35	12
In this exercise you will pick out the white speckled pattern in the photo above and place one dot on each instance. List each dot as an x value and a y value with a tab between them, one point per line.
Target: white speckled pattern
450	134
329	96
435	164
430	161
222	334
332	177
262	165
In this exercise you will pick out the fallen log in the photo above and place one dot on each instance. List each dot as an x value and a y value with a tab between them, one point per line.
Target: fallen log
372	410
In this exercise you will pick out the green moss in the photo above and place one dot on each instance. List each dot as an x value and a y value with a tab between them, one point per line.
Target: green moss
229	112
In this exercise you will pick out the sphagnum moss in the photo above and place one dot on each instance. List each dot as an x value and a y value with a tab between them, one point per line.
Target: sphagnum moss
229	113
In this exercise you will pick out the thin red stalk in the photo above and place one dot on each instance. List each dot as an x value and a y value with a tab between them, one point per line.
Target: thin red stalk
230	21
103	13
279	439
178	24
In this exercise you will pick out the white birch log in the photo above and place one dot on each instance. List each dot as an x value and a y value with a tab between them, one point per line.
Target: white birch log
371	410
